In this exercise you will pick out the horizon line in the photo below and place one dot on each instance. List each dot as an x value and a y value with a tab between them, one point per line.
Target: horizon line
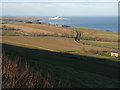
46	16
62	2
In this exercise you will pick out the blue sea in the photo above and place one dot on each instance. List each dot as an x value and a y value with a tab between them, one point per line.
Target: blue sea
99	22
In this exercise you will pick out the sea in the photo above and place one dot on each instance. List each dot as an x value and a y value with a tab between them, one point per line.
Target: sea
94	22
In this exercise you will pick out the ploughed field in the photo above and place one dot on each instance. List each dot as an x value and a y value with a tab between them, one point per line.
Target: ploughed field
54	43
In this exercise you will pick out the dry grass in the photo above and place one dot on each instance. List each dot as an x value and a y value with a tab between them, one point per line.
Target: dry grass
54	43
42	29
51	30
15	76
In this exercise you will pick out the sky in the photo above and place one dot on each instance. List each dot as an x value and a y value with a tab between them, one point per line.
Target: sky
60	0
59	8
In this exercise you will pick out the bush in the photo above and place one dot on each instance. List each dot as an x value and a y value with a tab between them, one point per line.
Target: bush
8	28
29	22
104	53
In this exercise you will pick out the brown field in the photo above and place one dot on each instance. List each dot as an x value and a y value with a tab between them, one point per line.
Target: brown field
41	29
54	43
44	29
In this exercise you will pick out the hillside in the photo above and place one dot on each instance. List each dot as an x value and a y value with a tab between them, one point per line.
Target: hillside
52	49
78	70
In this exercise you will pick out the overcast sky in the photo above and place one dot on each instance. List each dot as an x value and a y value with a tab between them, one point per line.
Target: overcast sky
59	8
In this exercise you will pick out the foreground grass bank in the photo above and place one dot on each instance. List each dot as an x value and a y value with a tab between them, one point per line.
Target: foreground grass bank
78	70
17	75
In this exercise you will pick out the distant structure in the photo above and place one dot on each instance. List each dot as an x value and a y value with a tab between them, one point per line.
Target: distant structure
63	26
60	25
56	18
115	53
28	22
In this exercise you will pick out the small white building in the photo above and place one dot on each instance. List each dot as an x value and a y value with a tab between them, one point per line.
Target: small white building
60	25
115	53
56	18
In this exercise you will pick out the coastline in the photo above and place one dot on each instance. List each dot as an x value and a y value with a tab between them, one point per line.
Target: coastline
60	25
100	23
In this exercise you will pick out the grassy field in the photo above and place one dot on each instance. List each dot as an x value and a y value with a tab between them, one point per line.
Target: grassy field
11	33
112	45
79	70
63	57
42	29
54	43
97	35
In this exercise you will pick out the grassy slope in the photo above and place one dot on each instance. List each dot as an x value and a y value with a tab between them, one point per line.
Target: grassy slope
59	44
17	75
90	35
80	71
55	43
112	45
95	34
39	29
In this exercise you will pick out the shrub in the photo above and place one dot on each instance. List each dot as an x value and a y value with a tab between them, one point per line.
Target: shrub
4	27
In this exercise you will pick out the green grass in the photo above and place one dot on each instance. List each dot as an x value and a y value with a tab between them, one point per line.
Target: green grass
112	45
88	53
79	70
109	32
78	28
96	35
102	31
70	51
10	33
107	57
0	21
